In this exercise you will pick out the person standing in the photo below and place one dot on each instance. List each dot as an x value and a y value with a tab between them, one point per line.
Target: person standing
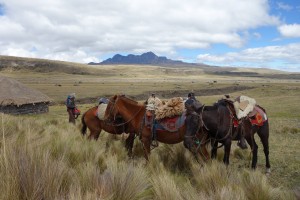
70	103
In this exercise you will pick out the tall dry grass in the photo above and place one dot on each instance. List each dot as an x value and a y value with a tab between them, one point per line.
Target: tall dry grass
47	158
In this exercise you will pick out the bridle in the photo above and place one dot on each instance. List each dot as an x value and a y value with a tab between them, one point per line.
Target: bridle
197	141
115	106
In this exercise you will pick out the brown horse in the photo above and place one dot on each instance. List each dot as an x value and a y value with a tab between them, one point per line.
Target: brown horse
95	125
133	113
217	122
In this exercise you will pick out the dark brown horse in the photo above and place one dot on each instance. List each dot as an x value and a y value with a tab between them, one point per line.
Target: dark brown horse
95	125
133	113
217	122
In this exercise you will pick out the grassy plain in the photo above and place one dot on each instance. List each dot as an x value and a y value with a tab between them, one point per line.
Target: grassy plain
44	157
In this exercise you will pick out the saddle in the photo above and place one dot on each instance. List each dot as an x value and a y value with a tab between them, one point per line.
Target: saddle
248	108
243	105
171	124
258	116
100	112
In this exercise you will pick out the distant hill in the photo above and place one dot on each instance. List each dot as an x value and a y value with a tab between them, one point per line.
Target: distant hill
12	63
148	58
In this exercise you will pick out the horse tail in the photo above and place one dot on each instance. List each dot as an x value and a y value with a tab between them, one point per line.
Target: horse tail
84	127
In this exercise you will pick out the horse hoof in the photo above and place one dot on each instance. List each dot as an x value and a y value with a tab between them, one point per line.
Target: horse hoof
268	171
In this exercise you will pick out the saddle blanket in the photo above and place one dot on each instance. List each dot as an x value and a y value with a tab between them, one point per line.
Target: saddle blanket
259	116
171	124
101	111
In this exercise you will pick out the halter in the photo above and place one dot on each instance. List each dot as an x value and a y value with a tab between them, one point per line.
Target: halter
200	126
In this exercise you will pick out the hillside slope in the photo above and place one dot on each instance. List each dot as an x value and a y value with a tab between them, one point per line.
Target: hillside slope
11	63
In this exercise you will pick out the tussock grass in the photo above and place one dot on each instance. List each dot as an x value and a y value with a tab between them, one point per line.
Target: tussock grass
49	159
124	181
176	158
211	177
29	174
256	187
164	186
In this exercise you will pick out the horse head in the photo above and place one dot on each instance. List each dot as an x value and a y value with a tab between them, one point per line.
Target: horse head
111	111
194	125
120	105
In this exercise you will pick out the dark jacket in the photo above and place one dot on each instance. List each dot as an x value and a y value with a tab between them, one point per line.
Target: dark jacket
70	103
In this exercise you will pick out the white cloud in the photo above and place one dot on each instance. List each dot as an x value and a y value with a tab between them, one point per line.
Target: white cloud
59	29
290	30
18	52
284	6
286	57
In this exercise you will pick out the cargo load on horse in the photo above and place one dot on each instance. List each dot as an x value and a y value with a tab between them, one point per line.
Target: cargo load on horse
168	116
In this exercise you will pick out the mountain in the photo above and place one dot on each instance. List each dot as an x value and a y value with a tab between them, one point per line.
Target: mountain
148	58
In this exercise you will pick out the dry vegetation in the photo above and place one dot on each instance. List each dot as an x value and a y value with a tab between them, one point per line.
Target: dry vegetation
45	157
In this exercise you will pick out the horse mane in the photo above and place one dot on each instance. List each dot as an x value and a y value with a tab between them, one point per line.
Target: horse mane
206	108
125	97
223	102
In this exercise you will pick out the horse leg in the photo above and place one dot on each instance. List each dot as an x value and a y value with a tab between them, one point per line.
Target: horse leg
129	143
94	134
251	141
146	146
97	134
214	149
84	126
263	133
203	149
227	147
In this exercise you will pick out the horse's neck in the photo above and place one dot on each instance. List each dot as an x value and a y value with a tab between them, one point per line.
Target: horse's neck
132	112
211	116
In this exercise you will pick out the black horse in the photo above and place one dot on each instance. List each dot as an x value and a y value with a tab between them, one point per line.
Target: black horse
217	122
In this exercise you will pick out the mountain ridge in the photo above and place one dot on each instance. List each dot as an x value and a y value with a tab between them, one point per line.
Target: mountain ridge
148	58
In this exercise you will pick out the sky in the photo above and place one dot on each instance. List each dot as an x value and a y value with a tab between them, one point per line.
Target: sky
240	33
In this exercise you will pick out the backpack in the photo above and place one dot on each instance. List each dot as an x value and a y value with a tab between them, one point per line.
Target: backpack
70	103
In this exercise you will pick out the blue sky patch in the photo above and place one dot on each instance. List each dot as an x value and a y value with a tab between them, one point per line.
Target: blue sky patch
1	9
